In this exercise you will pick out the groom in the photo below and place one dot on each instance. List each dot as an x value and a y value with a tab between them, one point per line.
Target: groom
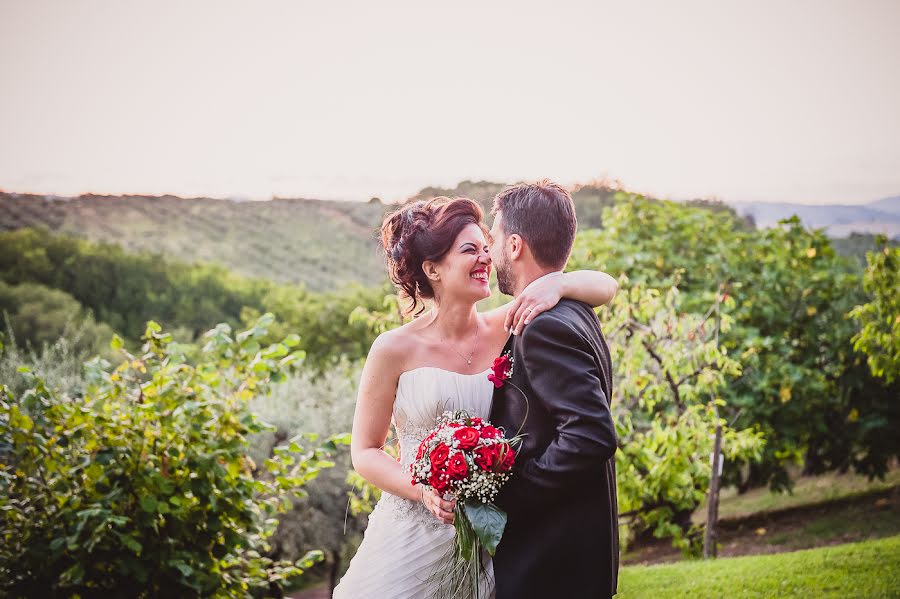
561	539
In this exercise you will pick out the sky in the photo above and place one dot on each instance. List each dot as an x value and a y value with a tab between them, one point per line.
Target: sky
795	101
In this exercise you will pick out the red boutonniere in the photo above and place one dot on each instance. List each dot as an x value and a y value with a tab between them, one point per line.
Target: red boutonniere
501	369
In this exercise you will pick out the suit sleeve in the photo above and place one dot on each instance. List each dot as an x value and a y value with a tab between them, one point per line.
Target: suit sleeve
565	379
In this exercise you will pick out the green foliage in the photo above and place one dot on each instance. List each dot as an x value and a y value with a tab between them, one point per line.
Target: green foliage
801	381
661	244
318	403
668	374
857	245
328	331
389	315
879	337
804	384
866	570
142	486
38	315
59	364
126	290
592	199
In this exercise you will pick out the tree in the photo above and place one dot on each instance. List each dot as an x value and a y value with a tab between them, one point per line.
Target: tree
801	381
879	337
668	377
38	315
126	290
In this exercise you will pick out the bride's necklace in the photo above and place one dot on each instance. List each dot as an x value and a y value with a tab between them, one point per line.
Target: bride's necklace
474	346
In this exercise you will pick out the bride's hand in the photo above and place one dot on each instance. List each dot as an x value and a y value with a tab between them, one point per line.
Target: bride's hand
540	295
442	509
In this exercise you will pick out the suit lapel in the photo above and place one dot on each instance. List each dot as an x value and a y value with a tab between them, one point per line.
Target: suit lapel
500	393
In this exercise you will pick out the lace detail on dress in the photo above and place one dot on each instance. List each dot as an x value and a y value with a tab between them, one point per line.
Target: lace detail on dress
410	438
397	508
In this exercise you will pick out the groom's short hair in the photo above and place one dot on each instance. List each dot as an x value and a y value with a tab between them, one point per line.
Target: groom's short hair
543	214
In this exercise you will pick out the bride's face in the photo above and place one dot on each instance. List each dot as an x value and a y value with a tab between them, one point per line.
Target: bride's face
465	269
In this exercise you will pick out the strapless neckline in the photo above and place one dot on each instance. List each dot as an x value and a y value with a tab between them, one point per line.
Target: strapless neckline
439	369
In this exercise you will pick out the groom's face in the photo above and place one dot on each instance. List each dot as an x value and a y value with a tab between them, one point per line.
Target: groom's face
500	256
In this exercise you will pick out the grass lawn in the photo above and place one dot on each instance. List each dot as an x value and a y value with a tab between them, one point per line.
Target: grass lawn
849	519
808	490
860	570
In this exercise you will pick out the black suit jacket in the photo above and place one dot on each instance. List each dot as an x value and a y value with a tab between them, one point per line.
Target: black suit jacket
562	536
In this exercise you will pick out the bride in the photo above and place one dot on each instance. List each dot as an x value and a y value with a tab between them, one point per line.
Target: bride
436	250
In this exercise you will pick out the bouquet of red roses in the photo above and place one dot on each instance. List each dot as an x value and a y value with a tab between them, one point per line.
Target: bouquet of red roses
468	458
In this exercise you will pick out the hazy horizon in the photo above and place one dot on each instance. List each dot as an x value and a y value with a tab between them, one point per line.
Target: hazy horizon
399	199
741	101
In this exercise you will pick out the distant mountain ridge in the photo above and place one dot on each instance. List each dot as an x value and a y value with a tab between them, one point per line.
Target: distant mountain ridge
839	220
891	205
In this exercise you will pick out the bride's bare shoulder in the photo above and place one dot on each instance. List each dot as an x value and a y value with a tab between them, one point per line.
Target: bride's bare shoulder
394	346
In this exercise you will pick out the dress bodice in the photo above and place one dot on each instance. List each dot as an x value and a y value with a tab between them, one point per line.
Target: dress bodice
423	394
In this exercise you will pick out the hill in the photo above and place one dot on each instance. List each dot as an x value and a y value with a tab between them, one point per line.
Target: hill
890	205
590	199
327	244
322	244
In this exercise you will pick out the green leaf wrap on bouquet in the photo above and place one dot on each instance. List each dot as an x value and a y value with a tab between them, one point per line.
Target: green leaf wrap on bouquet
488	522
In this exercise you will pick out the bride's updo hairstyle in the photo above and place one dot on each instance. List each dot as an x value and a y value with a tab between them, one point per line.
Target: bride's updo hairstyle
422	231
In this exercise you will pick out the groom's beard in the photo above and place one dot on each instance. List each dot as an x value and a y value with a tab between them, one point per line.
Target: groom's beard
505	280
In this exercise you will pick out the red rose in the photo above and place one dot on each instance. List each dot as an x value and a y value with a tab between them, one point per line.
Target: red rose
423	446
467	437
489	432
499	450
500	370
438	481
439	456
476	421
508	457
457	467
485	457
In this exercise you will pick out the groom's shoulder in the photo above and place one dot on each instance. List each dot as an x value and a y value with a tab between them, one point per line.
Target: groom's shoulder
567	319
568	310
562	316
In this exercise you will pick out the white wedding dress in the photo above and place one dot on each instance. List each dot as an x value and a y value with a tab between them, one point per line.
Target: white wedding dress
404	543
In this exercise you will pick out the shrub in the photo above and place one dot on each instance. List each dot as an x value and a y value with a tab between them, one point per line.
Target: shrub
142	486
